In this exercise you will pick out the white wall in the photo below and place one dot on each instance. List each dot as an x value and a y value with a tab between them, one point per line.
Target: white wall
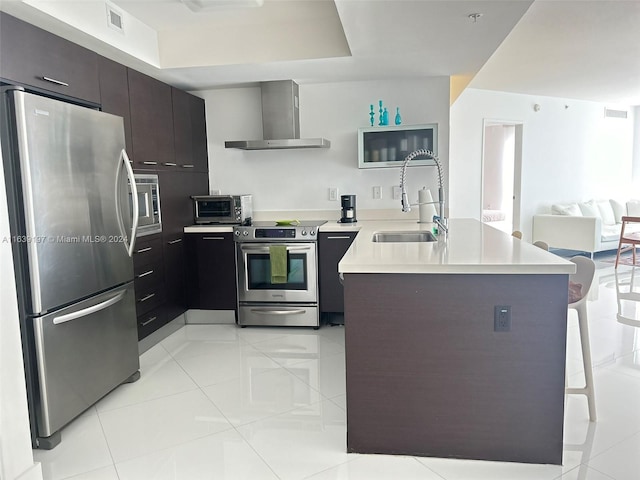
299	179
16	458
569	154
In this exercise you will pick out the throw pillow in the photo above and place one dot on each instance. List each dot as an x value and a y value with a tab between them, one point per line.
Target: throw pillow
589	209
606	212
566	209
619	210
633	208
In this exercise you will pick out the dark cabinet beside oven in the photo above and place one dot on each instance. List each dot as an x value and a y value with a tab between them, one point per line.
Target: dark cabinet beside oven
212	271
33	57
331	248
176	208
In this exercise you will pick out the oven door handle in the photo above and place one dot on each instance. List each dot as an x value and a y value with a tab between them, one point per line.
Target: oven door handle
262	248
278	311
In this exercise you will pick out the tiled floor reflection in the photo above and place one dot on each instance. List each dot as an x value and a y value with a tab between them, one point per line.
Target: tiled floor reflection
221	402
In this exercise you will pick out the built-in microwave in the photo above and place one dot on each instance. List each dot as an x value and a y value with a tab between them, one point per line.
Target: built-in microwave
223	209
149	218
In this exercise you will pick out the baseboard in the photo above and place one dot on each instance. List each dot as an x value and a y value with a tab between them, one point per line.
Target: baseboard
163	332
210	317
32	473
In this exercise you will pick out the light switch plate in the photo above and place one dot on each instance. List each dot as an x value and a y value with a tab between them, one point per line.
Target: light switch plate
377	192
397	193
333	194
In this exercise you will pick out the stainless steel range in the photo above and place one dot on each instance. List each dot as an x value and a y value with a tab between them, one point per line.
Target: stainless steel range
290	300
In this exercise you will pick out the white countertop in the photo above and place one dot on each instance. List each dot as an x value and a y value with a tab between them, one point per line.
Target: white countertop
470	247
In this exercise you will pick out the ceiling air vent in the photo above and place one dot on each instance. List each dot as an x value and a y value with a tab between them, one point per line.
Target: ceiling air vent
610	113
114	18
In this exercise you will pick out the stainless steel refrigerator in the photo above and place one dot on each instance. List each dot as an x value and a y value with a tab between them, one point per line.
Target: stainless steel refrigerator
67	176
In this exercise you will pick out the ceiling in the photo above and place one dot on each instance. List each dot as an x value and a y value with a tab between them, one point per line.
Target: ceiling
572	49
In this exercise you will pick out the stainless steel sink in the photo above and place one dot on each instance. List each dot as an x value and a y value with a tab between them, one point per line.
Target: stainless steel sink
396	237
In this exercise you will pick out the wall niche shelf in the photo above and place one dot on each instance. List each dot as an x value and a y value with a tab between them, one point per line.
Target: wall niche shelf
388	146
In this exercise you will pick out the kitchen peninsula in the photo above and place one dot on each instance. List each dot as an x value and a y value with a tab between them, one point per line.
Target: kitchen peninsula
428	370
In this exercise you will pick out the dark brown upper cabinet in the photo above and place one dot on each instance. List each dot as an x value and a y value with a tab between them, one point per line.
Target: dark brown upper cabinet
151	122
114	94
32	57
190	131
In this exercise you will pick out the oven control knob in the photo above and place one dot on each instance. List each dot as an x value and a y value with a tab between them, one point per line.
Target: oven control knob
304	232
245	233
313	232
237	232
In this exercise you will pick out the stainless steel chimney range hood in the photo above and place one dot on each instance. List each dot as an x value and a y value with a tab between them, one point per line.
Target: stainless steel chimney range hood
280	120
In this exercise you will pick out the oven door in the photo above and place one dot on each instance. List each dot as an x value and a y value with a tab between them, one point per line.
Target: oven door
254	274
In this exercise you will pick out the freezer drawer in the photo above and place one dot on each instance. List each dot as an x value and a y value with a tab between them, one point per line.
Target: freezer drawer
278	315
82	353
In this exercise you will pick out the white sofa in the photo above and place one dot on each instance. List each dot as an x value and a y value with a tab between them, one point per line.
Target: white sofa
592	226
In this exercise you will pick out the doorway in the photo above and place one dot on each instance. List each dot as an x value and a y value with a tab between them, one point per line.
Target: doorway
501	174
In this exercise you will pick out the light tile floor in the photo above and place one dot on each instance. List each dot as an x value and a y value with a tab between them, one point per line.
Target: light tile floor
221	402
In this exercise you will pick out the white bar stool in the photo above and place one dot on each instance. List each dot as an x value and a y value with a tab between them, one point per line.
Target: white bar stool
585	271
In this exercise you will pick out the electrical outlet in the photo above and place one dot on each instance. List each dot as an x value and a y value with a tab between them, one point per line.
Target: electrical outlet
333	194
502	318
397	193
377	192
215	191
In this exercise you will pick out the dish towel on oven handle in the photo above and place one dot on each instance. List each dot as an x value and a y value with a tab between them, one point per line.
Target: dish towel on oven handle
278	261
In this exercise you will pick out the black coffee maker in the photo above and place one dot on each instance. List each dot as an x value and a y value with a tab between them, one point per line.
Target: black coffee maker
348	209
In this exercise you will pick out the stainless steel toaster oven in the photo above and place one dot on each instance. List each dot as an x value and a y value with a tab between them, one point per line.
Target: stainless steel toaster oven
223	209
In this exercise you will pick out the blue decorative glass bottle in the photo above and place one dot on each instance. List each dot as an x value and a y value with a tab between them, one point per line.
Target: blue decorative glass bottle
385	117
381	119
372	115
398	119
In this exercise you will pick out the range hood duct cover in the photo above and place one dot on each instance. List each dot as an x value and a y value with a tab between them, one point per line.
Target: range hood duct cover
280	120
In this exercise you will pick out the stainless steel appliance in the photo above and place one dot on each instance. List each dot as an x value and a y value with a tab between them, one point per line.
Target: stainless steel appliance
348	209
261	301
223	209
149	218
66	176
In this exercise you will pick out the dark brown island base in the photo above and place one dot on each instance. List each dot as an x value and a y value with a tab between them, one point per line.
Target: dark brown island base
436	367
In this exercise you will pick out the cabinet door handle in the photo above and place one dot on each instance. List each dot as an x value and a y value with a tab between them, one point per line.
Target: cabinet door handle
144	324
149	163
53	80
147	297
173	242
213	238
170	164
145	274
188	165
142	250
343	237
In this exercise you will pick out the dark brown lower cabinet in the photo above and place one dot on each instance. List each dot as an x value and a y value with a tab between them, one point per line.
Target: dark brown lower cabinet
149	284
160	260
212	271
331	248
173	251
429	375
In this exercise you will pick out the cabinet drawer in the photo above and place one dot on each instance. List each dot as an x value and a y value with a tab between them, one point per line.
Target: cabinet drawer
33	57
150	298
149	277
147	252
151	321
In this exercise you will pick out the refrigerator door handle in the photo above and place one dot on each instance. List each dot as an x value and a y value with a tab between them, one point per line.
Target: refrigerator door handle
124	158
89	310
